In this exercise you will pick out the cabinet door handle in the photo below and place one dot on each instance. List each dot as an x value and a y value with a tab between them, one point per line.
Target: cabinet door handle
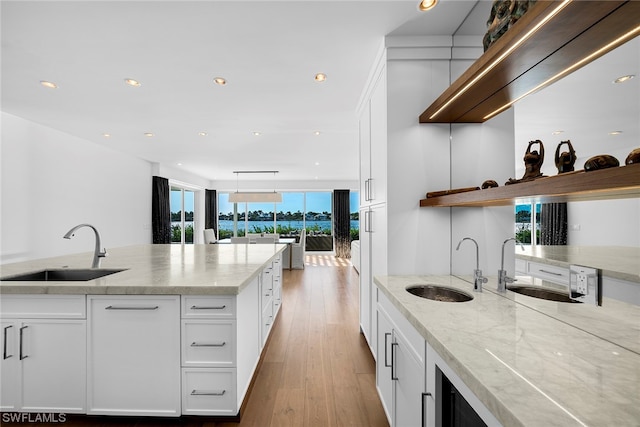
208	393
4	352
372	194
550	272
219	307
366	190
131	307
424	420
22	355
215	344
393	364
386	363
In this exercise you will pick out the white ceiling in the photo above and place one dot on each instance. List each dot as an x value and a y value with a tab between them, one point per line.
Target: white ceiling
269	52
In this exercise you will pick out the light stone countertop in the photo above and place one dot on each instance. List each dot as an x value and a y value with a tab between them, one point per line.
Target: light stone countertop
527	367
153	269
618	262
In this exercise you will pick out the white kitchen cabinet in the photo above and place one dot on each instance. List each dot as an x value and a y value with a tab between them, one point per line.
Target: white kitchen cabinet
384	382
43	353
400	367
209	391
133	355
373	144
373	259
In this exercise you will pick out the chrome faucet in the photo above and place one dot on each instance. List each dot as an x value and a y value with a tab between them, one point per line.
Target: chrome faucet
478	279
503	279
97	254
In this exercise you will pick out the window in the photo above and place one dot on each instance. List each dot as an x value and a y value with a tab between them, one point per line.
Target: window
527	219
290	214
354	208
182	204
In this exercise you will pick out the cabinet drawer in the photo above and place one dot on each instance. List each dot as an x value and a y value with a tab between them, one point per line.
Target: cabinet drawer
43	306
521	266
208	391
548	272
209	307
208	343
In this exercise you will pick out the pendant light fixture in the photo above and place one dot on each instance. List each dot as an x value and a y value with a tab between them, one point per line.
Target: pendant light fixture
254	196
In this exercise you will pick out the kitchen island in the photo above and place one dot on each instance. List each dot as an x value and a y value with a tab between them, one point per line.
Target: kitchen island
520	363
178	331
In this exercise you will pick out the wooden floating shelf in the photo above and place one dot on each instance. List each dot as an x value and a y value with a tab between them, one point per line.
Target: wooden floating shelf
612	183
575	32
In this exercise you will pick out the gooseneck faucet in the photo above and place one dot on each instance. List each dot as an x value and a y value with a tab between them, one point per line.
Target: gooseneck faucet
478	279
97	254
503	279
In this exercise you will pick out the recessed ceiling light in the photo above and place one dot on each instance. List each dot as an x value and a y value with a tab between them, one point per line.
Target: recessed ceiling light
623	79
557	132
148	134
256	134
317	133
320	77
317	163
106	135
202	133
132	82
427	5
179	164
49	85
615	132
220	81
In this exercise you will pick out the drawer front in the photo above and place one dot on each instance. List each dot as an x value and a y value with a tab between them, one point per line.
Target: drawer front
43	306
209	307
208	391
521	266
208	343
548	272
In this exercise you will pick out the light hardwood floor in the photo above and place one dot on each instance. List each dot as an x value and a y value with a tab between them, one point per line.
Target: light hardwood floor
317	369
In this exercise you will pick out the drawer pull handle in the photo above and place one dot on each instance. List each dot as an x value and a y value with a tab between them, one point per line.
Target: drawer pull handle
208	393
550	272
215	344
4	352
131	307
196	307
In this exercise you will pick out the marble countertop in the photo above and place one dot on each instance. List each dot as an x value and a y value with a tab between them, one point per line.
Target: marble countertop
152	269
524	361
619	262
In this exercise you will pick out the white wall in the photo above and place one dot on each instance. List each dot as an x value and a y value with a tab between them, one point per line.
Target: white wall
604	223
52	181
480	152
418	162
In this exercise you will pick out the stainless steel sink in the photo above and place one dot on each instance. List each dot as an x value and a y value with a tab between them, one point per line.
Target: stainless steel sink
542	293
439	293
62	275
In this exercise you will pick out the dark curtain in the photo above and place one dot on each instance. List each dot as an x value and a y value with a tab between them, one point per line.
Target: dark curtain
211	210
342	223
160	211
553	224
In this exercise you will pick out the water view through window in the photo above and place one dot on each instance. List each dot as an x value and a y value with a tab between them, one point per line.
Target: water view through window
310	210
182	221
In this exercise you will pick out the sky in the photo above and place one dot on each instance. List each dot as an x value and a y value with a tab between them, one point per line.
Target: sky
316	201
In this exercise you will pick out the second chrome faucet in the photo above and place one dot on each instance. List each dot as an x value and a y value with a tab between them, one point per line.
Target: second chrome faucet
478	279
503	279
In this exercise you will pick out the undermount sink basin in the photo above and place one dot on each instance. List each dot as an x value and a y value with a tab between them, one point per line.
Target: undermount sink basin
542	293
439	293
62	275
